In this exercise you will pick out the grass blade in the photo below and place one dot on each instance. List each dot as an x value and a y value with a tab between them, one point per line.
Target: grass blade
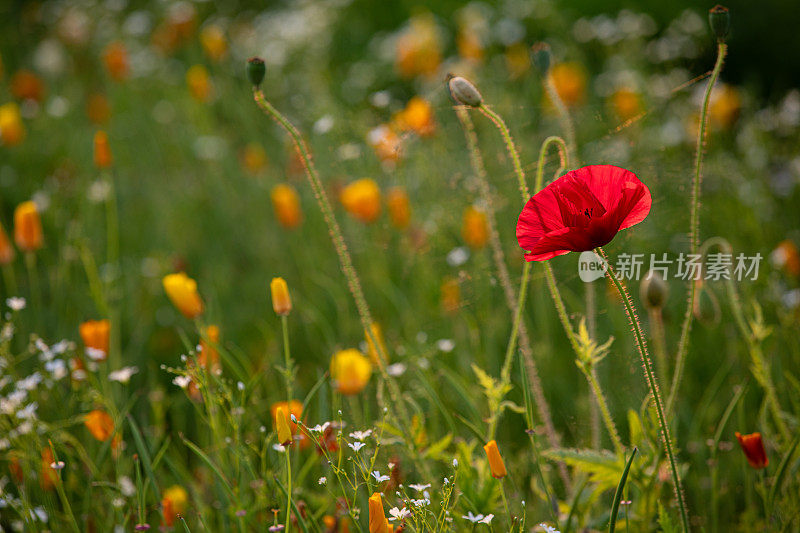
618	495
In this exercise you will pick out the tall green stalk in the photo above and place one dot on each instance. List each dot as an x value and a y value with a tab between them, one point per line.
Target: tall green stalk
652	383
694	227
345	261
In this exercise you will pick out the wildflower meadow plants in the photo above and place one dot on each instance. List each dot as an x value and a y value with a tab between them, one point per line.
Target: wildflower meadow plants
283	293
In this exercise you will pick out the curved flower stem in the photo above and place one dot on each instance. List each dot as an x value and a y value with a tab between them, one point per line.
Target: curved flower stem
510	147
564	117
694	227
652	383
505	280
345	261
591	376
760	368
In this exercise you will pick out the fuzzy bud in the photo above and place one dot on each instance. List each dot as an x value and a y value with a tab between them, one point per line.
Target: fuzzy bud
653	290
464	92
541	56
719	18
256	70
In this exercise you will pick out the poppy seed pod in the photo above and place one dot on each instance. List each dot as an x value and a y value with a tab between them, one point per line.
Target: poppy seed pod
256	70
541	56
464	92
719	18
654	290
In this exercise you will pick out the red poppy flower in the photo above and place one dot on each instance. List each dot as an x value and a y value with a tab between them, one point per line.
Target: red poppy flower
753	448
581	210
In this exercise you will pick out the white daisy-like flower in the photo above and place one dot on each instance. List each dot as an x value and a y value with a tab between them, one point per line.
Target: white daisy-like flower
123	375
29	383
472	518
94	354
399	514
182	381
548	529
57	465
379	478
419	487
356	445
396	369
486	519
445	345
16	303
323	480
361	435
421	503
320	428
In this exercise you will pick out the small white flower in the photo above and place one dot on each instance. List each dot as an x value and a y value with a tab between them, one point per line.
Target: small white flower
419	487
548	529
445	345
182	381
356	445
57	368
57	465
455	463
40	513
486	519
94	354
28	412
399	514
280	448
323	480
79	374
240	385
16	303
379	478
30	382
421	502
294	418
472	518
126	486
123	375
457	256
361	435
396	369
320	428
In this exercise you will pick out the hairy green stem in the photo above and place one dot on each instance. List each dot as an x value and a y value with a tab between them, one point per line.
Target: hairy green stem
591	376
652	383
694	228
345	261
287	357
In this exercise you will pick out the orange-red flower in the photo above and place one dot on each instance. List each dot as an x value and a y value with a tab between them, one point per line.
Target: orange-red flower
295	407
15	467
6	249
496	464
102	151
209	355
254	158
173	504
626	103
182	291
286	204
98	109
95	334
48	477
475	228
26	85
385	142
281	300
27	227
100	424
786	257
753	448
569	80
115	59
12	130
350	371
399	207
450	295
417	117
725	105
199	83
418	49
362	199
378	523
212	38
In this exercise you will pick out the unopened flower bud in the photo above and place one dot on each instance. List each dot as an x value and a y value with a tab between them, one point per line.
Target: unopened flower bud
256	70
653	290
541	56
464	92
719	18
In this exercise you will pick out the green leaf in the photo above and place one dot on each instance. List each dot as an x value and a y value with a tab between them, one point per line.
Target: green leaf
604	467
665	520
618	495
436	449
145	456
